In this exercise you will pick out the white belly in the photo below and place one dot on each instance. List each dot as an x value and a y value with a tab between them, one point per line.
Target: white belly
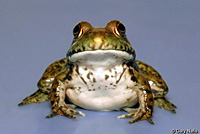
103	90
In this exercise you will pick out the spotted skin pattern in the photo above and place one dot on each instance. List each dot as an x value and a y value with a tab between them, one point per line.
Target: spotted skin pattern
45	83
152	75
101	73
158	86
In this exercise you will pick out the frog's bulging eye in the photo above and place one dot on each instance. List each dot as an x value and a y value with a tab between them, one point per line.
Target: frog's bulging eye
77	31
120	29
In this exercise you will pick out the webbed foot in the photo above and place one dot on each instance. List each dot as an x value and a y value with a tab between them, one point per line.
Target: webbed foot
164	104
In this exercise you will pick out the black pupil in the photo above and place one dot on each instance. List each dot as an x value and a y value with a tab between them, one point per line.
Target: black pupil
121	27
76	30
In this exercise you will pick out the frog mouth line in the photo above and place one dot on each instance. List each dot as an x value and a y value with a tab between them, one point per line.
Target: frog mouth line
91	47
100	56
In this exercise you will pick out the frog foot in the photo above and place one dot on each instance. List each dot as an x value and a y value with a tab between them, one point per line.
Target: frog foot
36	97
164	104
139	115
65	111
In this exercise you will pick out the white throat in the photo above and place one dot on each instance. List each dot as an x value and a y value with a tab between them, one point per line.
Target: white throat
104	59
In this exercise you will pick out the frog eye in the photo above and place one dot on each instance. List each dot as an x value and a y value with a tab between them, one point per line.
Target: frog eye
120	29
77	31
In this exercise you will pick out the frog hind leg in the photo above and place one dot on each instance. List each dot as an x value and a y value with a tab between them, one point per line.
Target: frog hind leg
145	109
45	83
163	103
37	97
158	86
58	96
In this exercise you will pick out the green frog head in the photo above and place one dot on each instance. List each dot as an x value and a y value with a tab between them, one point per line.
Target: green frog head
90	39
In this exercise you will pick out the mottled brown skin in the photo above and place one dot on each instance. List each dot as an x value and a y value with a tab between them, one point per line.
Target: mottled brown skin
45	83
63	72
159	96
152	75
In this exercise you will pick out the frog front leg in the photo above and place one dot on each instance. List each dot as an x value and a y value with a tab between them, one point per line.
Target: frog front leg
158	86
141	86
58	94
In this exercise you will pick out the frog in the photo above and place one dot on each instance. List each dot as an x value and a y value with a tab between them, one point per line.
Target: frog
101	73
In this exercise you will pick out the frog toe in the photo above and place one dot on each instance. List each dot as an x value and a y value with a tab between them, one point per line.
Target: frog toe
51	115
130	110
140	115
164	104
65	111
174	106
125	116
76	112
